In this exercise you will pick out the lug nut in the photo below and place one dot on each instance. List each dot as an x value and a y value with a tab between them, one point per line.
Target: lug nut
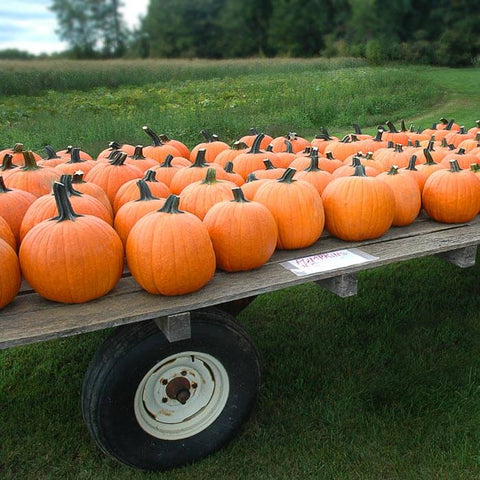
184	373
164	399
194	385
164	381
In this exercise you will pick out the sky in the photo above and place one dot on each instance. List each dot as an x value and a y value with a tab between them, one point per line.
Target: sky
29	24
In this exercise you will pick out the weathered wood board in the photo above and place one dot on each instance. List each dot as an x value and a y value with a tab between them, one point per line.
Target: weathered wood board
30	318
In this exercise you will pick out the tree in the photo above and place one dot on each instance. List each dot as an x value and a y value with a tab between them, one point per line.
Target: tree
91	27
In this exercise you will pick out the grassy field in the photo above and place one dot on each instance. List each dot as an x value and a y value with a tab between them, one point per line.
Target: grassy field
383	385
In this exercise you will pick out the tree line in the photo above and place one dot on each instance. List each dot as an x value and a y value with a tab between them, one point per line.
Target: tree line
443	32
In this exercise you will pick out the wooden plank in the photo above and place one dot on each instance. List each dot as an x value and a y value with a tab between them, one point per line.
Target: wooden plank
344	286
461	257
175	327
30	319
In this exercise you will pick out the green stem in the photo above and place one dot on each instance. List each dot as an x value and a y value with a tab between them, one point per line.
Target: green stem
450	124
390	144
18	148
269	148
155	138
238	195
313	167
378	136
64	207
329	155
254	131
51	153
287	177
145	192
164	138
206	135
138	153
66	179
239	145
474	167
256	144
210	177
114	145
403	128
461	151
356	162
444	121
398	148
3	187
171	205
289	146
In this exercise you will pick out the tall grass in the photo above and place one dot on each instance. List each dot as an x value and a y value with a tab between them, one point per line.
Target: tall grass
33	77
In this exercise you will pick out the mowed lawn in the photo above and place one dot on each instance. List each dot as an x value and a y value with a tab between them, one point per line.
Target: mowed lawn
382	385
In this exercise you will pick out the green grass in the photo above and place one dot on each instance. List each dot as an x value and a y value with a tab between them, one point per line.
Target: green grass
383	385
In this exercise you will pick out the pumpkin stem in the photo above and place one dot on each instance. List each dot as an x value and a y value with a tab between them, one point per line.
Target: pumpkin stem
454	166
210	177
357	129
155	138
167	163
403	128
228	167
3	187
199	159
461	151
419	130
30	163
164	138
356	162
417	144
239	145
288	144
254	131
66	179
390	144
171	205
78	177
238	196
75	156
114	145
412	128
378	136
359	171
398	148
411	163
150	176
51	153
268	164
256	144
393	170
207	136
444	121
7	163
474	167
428	157
251	177
119	159
391	127
138	153
329	155
269	148
18	148
64	207
313	167
287	177
145	192
450	124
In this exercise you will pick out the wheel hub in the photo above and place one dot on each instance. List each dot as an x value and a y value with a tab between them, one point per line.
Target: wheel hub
178	389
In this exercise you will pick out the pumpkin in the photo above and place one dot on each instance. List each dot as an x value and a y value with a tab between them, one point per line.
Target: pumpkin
10	276
130	212
67	152
298	143
166	170
112	175
17	154
138	159
129	190
6	233
169	252
430	165
349	145
252	160
243	233
32	177
199	197
394	135
447	124
14	204
75	163
389	157
86	263
45	207
348	170
249	139
470	143
159	150
301	162
91	189
442	129
180	146
226	156
373	144
408	199
114	147
323	140
52	159
269	171
7	165
411	170
314	175
463	158
358	207
456	138
232	176
329	163
212	146
452	196
252	184
297	209
285	158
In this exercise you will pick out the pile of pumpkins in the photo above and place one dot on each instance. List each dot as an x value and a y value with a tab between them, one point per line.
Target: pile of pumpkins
67	221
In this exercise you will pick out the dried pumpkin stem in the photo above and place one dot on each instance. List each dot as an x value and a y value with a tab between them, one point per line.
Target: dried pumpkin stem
171	205
64	207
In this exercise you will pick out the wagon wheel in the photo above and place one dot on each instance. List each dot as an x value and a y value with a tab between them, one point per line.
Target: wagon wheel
154	405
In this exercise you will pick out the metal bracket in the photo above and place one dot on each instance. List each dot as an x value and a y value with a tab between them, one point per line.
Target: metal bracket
175	327
461	257
342	285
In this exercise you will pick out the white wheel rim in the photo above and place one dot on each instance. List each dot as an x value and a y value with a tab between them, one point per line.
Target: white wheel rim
164	417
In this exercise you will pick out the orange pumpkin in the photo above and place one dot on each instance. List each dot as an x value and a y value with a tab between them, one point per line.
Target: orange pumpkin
167	170
17	153
251	186
249	139
314	175
91	189
169	252
394	135
7	165
452	196
14	204
112	175
463	158
408	200
86	263
297	209
130	212
10	276
180	146
232	176
6	233
298	143
243	233
139	160
31	177
67	152
114	147
269	171
159	150
226	156
52	159
212	146
430	165
75	163
199	197
358	207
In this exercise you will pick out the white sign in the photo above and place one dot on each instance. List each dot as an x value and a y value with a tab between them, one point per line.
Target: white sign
325	262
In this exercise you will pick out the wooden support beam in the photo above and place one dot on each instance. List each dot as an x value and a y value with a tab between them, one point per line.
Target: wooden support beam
342	285
461	257
175	327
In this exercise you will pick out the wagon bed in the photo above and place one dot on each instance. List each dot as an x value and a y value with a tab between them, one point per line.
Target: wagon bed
30	318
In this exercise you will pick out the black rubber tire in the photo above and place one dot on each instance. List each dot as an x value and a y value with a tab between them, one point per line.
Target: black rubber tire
123	360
